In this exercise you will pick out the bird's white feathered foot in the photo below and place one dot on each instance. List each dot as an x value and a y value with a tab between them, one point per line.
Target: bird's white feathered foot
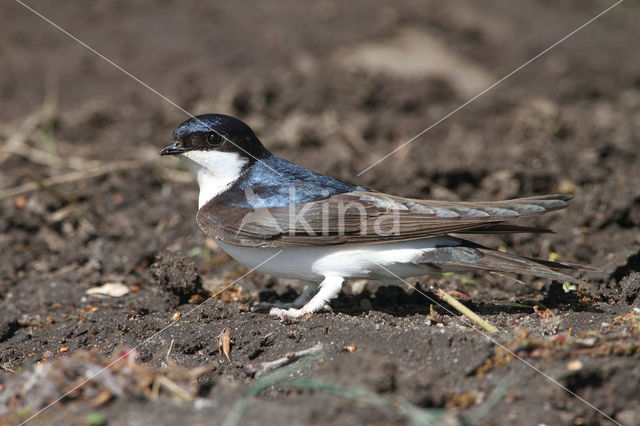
329	289
309	291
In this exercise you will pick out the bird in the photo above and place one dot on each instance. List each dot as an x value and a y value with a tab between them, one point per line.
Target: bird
287	221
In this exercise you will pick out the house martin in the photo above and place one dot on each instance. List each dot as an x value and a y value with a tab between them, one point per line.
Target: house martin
258	207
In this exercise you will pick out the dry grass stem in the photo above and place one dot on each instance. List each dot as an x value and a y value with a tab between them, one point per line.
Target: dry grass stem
288	359
466	311
67	178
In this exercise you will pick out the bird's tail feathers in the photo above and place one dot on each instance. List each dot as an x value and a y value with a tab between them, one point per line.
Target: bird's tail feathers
474	257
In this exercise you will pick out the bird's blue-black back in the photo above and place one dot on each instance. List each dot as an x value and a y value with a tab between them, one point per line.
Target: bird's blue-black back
276	182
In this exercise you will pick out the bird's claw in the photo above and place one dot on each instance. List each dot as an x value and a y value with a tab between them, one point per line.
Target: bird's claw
293	313
287	313
266	306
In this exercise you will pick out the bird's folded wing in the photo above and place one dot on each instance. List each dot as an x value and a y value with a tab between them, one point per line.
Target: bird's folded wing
366	217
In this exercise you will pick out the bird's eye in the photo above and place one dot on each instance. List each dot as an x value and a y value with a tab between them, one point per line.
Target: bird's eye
214	138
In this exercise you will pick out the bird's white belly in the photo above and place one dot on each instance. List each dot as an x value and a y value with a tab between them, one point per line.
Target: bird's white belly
373	261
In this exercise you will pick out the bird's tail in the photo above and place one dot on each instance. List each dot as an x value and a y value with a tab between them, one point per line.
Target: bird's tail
471	256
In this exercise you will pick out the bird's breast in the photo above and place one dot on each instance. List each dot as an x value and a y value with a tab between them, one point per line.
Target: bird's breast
373	261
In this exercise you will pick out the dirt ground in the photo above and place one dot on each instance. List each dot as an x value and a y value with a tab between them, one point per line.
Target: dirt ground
333	86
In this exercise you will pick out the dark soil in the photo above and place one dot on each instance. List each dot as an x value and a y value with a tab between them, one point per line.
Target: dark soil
333	86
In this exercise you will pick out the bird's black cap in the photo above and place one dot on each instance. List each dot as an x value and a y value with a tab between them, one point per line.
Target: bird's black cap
215	132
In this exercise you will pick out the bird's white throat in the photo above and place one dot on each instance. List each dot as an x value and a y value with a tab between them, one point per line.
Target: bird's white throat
215	171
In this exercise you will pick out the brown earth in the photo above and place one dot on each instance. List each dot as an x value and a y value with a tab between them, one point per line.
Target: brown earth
332	86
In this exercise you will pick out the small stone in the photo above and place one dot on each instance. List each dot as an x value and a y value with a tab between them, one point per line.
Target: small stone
574	365
110	289
365	305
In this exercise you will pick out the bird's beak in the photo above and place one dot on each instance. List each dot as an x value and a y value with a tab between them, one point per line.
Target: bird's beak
174	148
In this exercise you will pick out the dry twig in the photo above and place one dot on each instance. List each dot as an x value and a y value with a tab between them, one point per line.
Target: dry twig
288	359
68	177
465	311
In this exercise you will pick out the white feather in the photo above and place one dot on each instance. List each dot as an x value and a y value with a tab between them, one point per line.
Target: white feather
215	171
372	261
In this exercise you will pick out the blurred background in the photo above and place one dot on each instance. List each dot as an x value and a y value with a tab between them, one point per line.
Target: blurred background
333	86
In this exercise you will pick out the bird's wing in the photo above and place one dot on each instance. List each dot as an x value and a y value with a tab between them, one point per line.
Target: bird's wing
359	217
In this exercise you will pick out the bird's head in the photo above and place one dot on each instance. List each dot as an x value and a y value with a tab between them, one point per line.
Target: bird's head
212	133
217	149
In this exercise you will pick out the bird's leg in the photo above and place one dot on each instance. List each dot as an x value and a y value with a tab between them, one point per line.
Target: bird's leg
329	289
307	294
309	291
